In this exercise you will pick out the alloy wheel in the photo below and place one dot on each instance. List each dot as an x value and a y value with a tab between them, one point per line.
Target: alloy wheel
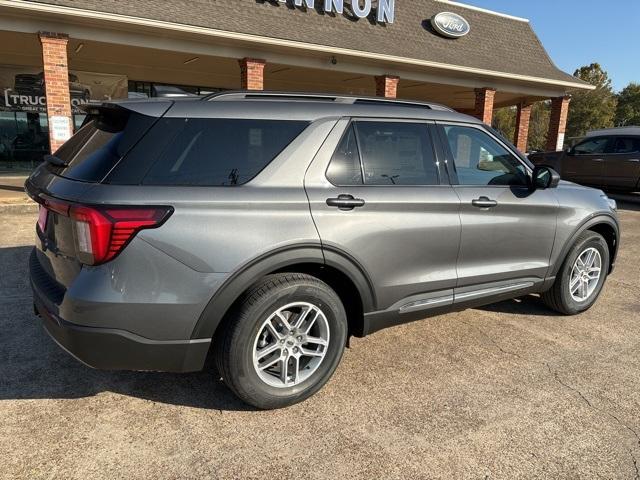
291	344
585	274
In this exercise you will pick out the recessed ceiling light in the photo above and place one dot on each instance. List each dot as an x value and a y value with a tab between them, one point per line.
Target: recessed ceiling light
79	47
191	60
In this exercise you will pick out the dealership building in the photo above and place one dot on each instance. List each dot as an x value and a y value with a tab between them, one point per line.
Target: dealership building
56	55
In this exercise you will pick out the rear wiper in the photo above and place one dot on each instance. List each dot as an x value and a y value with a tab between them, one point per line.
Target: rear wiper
53	160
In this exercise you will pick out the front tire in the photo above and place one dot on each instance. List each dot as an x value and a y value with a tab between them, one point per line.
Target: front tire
282	341
581	277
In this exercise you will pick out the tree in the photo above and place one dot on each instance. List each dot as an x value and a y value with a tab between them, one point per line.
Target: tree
504	120
591	109
628	110
539	126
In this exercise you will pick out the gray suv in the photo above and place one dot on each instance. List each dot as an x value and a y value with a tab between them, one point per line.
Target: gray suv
264	229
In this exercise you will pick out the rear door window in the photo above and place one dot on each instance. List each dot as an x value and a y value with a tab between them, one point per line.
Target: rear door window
344	168
216	152
384	153
396	153
624	145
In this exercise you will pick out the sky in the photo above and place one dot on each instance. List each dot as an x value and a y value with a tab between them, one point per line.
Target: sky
580	32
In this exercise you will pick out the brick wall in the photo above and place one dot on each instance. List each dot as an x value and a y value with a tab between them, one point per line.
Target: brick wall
252	73
558	123
484	104
523	117
56	78
387	86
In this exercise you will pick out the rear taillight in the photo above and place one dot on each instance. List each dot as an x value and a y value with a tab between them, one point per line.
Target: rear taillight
101	233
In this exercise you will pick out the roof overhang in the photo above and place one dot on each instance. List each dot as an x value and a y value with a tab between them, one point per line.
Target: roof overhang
387	62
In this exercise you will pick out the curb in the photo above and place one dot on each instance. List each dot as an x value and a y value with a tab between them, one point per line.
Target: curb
18	208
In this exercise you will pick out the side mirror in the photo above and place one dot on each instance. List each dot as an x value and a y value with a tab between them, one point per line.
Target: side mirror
544	177
569	151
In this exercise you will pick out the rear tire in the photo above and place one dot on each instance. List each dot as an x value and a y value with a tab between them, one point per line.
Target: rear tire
576	288
282	341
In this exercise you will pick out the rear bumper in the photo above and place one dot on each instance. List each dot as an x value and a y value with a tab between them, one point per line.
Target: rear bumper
111	349
129	314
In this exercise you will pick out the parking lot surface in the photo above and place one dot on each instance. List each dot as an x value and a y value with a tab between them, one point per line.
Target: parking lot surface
510	390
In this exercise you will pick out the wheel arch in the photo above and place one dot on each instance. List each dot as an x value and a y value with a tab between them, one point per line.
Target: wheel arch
336	268
603	224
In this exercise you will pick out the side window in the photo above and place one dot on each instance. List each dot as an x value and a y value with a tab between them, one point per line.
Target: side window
626	145
217	152
480	160
98	146
396	153
344	168
591	146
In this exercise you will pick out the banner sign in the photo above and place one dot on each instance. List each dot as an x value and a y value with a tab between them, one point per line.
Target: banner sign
23	88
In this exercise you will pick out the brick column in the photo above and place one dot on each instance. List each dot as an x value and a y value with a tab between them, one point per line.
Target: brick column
387	86
56	82
558	122
484	104
252	73
523	117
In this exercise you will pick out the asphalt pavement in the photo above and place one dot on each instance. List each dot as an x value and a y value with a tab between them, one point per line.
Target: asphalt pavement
510	390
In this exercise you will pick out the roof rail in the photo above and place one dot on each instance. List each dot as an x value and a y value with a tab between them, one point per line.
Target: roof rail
626	130
320	97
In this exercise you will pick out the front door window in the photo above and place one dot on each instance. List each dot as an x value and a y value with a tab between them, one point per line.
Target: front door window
591	146
481	160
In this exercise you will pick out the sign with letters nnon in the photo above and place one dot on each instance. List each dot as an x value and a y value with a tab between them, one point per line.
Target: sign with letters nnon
382	10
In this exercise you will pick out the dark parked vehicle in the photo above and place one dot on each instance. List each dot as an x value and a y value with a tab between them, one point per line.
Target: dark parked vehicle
608	159
266	228
33	85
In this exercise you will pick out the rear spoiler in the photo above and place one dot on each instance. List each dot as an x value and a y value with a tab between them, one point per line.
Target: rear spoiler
150	108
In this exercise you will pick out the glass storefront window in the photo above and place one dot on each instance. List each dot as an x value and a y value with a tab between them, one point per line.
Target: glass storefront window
24	139
24	133
150	89
78	119
24	136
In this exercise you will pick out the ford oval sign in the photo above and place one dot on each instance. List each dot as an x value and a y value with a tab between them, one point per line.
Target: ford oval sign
450	25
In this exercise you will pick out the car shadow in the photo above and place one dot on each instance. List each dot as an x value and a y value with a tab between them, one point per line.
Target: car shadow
527	305
32	366
12	188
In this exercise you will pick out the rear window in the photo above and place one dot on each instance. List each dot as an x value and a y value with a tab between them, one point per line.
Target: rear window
98	146
206	152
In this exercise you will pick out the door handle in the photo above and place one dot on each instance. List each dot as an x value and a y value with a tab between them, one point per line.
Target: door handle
598	160
345	202
484	202
634	160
